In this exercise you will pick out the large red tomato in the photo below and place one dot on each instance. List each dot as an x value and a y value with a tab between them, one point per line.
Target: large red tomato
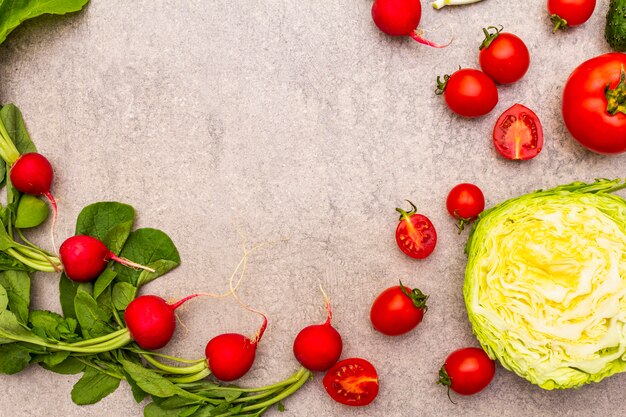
594	106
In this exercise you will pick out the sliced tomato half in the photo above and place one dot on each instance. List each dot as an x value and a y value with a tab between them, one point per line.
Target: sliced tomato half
518	133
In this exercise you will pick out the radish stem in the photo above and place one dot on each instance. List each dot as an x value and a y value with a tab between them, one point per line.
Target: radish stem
438	4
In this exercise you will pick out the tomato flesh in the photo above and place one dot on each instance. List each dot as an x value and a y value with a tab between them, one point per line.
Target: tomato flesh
352	381
416	236
585	105
518	133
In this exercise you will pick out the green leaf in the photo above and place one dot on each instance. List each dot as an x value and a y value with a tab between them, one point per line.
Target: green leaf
9	263
153	410
10	114
17	285
138	394
109	222
93	386
12	13
281	407
48	322
92	318
67	292
54	358
148	247
11	330
189	411
123	294
103	281
4	298
6	241
174	402
31	212
153	383
69	366
13	358
207	410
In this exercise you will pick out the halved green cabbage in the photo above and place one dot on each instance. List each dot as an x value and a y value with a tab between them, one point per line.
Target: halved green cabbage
545	284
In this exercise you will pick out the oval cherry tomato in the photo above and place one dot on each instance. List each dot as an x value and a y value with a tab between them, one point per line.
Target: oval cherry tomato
467	371
398	310
592	112
518	133
468	92
352	381
565	13
416	235
503	56
465	202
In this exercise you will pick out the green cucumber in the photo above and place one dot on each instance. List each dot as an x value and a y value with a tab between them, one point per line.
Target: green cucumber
615	32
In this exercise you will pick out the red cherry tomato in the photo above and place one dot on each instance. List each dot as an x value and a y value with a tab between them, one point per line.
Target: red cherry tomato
415	234
518	133
465	202
503	56
468	92
398	310
592	112
352	381
565	13
467	371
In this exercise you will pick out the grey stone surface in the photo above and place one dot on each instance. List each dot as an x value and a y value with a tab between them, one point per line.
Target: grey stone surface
298	120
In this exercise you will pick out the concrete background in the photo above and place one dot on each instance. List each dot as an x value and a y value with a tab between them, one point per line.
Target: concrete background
298	120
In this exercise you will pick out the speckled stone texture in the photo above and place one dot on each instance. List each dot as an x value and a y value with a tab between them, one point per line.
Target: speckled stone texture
296	123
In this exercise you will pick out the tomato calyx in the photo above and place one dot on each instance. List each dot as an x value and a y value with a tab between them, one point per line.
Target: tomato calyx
406	215
616	98
558	22
417	297
462	221
444	379
489	36
441	85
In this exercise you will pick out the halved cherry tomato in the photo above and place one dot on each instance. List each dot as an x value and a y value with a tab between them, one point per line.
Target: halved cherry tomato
565	13
468	92
503	56
465	202
467	371
594	106
352	381
415	234
518	133
398	310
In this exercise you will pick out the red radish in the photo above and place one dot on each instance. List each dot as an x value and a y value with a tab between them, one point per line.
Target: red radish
400	18
318	347
32	174
151	320
231	355
85	257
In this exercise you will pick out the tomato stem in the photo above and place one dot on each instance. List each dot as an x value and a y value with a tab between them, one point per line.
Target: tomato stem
418	297
558	22
490	37
444	379
406	215
616	98
441	85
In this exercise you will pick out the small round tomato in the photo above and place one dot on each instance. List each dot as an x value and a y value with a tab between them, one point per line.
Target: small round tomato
503	56
518	133
465	202
416	235
468	92
593	104
352	381
398	310
467	371
565	13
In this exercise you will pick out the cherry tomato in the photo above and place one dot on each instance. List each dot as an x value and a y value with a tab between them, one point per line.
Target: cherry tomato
467	371
468	92
565	13
416	236
465	202
398	310
352	381
595	114
518	133
503	56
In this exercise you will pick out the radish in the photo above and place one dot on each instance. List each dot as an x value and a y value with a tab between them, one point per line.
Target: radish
318	347
151	320
85	257
231	355
32	174
400	18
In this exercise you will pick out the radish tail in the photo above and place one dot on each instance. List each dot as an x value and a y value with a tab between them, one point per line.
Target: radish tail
329	311
129	263
55	211
416	35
